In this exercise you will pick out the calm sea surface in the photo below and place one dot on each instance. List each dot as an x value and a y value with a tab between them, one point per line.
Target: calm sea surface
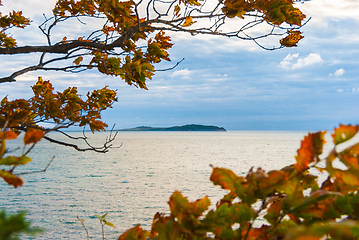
135	181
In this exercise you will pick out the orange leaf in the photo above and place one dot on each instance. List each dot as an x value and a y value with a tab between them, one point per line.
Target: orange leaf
134	233
344	133
226	178
310	149
8	135
11	179
33	136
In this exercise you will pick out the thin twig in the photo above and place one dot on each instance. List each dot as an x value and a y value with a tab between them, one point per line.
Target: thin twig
38	171
167	69
83	224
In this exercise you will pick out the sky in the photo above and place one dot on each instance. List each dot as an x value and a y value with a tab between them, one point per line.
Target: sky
226	82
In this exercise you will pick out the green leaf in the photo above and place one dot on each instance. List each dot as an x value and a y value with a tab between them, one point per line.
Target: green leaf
347	229
201	205
178	204
78	60
314	198
109	224
11	160
11	225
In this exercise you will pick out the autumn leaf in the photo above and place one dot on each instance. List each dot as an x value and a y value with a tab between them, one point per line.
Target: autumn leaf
135	233
78	60
33	136
292	39
177	9
188	22
11	160
178	203
311	148
11	179
201	205
344	133
226	178
8	135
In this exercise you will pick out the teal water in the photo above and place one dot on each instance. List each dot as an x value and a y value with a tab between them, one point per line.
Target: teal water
135	181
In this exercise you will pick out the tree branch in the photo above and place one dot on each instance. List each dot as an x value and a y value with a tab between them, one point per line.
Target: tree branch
39	171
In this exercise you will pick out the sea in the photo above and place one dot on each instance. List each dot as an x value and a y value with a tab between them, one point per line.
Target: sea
135	179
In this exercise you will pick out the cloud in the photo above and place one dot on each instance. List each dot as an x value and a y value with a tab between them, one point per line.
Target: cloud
339	72
286	61
312	58
340	90
185	73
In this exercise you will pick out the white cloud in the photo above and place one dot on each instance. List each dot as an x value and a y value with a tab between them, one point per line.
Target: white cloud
312	58
329	9
339	72
291	56
355	90
185	73
286	63
340	90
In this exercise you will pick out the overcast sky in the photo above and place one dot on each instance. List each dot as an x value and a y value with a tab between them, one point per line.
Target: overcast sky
228	82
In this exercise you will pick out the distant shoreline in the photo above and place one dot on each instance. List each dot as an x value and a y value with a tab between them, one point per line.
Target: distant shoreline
186	128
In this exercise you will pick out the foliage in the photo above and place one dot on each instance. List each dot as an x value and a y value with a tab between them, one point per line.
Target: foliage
132	38
293	201
12	225
63	108
128	45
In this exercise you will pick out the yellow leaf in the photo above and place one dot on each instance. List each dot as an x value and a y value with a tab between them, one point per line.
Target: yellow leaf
110	224
188	22
292	39
11	160
177	10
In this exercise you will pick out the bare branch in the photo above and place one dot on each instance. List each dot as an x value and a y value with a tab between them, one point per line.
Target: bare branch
105	148
39	171
167	69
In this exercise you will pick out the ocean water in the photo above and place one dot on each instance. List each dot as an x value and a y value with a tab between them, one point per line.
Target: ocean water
133	182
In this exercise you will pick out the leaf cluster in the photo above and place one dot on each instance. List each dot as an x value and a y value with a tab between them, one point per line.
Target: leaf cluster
12	225
131	41
14	19
62	109
293	202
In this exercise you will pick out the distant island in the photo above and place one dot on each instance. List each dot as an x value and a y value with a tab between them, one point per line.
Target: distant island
188	127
